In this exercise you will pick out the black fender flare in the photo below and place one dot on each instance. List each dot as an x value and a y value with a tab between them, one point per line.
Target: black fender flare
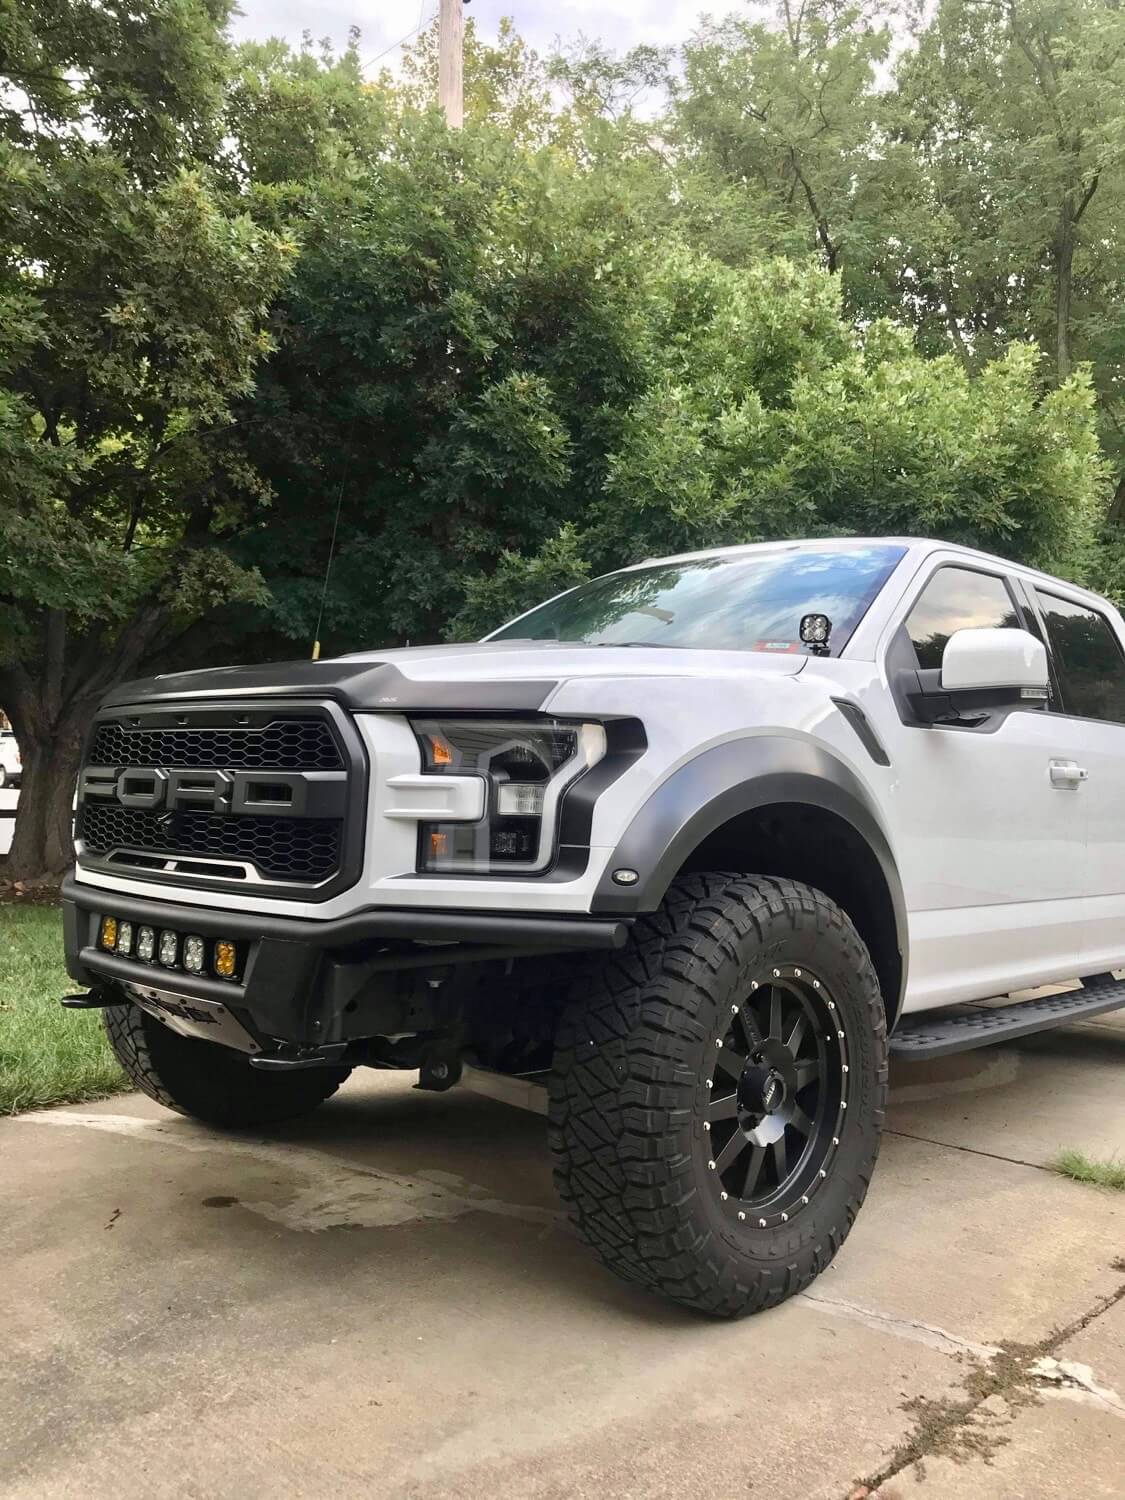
723	782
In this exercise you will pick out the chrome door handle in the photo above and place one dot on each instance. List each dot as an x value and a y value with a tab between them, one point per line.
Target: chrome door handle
1068	774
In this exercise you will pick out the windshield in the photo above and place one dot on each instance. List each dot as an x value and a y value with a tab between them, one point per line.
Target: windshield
746	602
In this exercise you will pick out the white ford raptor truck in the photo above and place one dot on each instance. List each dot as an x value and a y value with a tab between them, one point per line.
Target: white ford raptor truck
684	853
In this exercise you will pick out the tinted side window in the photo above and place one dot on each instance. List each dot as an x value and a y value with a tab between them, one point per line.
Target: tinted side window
1088	659
957	599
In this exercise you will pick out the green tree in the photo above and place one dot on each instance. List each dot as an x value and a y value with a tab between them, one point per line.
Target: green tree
132	302
774	125
766	415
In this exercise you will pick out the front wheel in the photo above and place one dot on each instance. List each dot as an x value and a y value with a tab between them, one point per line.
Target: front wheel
209	1082
718	1093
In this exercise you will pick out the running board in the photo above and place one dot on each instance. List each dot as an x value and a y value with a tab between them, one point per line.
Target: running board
932	1035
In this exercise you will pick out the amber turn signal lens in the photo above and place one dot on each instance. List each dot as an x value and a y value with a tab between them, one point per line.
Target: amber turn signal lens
224	960
439	749
108	938
439	845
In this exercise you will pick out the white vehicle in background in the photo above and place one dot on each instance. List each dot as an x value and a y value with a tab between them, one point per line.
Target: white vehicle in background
684	854
11	766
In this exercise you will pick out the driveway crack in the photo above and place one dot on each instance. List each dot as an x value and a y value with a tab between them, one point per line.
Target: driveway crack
1014	1375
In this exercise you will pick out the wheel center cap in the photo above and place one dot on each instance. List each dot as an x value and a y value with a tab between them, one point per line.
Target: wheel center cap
762	1090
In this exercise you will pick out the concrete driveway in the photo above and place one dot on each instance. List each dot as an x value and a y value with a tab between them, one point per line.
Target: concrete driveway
385	1301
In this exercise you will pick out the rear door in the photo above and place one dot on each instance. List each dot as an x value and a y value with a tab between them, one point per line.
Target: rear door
1088	663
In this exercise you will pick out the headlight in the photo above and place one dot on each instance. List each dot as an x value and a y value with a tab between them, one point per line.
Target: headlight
526	766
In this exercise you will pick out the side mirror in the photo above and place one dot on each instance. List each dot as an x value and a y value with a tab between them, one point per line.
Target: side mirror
981	670
981	660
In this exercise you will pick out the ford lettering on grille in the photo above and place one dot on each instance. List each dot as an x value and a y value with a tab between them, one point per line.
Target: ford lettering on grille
239	800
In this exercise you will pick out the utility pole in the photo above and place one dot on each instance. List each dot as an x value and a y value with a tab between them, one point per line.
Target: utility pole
450	46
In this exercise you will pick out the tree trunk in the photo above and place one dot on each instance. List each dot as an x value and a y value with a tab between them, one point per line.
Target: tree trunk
42	844
1064	277
1116	512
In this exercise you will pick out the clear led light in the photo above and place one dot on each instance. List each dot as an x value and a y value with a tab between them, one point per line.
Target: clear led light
125	937
193	954
146	944
168	946
518	800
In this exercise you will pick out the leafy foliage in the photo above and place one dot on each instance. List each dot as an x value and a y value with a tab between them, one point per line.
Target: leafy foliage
831	269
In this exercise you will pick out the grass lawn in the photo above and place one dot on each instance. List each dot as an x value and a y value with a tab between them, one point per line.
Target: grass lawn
47	1055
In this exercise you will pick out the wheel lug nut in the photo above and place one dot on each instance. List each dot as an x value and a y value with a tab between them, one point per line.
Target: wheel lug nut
719	1043
804	1197
831	1005
707	1124
845	1067
710	1166
724	1196
761	1223
796	973
840	1034
823	1173
753	984
777	973
734	1010
741	1215
785	1218
816	984
835	1140
707	1081
843	1104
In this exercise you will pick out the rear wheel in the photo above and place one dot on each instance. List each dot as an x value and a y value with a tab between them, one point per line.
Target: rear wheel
718	1093
211	1083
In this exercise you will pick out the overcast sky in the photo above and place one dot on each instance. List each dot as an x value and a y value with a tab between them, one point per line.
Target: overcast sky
621	23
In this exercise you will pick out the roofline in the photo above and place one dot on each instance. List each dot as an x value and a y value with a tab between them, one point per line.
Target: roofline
920	547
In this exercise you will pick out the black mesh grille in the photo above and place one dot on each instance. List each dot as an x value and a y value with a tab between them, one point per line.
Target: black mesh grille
283	745
301	849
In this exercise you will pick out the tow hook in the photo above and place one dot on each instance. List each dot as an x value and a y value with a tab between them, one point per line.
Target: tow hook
331	1055
95	999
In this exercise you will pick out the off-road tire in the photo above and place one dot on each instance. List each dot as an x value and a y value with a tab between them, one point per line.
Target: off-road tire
634	1049
208	1082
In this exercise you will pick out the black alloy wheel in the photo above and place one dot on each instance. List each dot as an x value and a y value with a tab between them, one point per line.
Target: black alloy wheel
776	1097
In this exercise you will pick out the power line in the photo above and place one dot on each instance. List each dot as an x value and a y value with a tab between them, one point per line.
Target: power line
401	41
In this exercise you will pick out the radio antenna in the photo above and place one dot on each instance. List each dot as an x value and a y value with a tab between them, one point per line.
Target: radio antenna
331	552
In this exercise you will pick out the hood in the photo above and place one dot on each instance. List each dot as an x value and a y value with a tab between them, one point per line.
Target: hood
486	676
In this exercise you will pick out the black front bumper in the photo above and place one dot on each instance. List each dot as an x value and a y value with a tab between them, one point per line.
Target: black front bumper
312	983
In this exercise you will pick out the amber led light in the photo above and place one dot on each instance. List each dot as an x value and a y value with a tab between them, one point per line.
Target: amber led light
108	936
224	959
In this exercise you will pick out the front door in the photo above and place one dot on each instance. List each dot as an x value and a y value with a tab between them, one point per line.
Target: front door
990	826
